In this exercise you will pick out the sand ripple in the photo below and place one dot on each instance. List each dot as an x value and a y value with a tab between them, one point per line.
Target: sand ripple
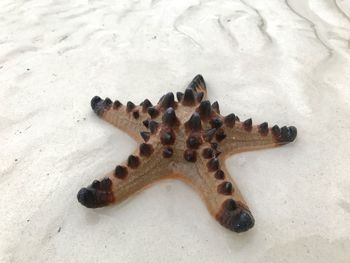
286	62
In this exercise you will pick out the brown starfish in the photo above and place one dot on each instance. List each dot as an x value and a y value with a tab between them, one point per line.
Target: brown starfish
188	140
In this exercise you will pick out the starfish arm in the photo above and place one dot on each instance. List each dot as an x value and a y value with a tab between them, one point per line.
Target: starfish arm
140	170
244	136
128	118
198	85
234	212
209	177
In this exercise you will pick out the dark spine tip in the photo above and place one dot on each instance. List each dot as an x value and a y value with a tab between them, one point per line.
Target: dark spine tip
216	122
146	123
153	126
87	197
204	109
145	135
288	134
220	135
209	134
263	128
197	83
117	104
199	78
293	131
276	131
225	188
96	184
153	112
94	101
194	123
208	153
98	194
130	106
120	172
167	152
213	164
190	155
168	100
188	98
216	107
146	149
220	175
247	124
169	117
99	106
167	137
230	120
145	105
179	96
136	114
106	184
193	142
108	102
235	217
133	161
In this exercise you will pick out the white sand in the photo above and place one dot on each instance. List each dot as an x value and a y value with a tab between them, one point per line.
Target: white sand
281	62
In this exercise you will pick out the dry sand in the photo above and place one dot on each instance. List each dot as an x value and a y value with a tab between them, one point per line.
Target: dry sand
285	62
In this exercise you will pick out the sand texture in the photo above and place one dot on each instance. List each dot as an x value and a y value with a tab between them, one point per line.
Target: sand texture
285	62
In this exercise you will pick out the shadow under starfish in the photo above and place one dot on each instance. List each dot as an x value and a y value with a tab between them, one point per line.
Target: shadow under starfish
188	140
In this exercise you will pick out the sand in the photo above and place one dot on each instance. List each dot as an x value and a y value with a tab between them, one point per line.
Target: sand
285	62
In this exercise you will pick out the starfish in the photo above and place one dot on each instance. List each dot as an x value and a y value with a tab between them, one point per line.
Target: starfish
187	139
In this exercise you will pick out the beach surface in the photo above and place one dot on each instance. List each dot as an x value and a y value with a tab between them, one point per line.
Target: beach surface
284	62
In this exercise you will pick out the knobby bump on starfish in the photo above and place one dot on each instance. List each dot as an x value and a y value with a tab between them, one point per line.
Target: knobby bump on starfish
187	139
